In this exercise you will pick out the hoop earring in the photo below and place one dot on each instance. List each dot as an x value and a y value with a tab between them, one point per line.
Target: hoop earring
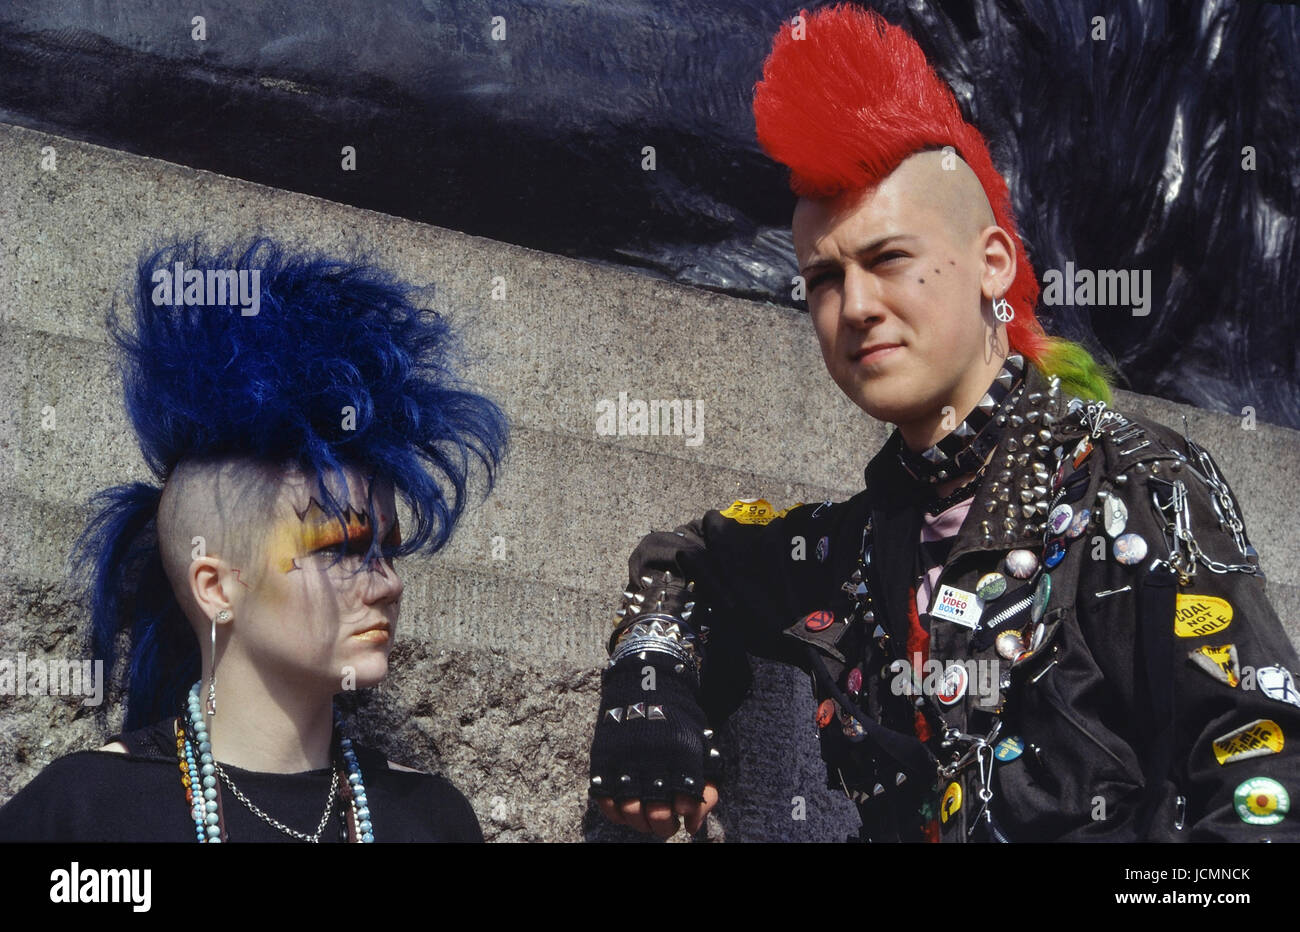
1003	310
222	616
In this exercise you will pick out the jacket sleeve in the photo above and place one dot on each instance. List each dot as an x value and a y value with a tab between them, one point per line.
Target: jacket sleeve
1199	661
751	569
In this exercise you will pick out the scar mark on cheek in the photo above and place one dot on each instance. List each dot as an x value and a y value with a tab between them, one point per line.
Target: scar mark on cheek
240	581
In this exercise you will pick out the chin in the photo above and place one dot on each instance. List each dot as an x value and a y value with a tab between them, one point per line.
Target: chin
365	672
883	406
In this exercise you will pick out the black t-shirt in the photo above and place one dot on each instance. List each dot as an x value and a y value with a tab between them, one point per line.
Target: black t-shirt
103	796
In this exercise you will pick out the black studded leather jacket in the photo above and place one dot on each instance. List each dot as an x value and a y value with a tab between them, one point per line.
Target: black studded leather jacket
1136	700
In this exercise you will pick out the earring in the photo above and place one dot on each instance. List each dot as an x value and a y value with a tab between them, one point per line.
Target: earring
222	616
1003	311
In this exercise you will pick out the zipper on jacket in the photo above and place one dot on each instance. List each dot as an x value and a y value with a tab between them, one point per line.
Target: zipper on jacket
1006	613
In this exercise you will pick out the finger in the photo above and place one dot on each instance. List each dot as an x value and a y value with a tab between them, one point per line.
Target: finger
662	819
695	810
609	809
633	816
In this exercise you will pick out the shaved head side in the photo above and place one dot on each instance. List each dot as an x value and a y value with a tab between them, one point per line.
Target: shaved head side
939	183
946	185
228	503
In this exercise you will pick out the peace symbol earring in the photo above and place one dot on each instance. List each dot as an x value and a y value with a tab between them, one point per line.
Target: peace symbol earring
222	616
1002	310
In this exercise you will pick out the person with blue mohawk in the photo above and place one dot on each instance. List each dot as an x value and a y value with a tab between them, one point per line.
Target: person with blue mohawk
285	403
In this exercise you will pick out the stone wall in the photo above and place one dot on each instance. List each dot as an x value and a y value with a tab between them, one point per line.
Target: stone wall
496	669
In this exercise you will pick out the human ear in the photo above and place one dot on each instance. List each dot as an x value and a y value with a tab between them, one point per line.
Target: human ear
205	579
998	253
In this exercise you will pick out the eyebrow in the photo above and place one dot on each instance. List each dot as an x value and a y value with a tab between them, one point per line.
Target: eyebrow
874	246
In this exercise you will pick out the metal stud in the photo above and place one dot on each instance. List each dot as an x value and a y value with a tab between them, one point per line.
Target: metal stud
596	781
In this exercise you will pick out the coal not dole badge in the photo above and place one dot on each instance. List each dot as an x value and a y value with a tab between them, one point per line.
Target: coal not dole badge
958	606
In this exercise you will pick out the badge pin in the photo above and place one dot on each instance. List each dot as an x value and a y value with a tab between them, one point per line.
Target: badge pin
1258	739
991	586
950	803
1081	452
956	605
823	549
1129	549
1277	683
1261	801
1009	645
1042	593
819	621
1219	662
1054	555
1114	515
1008	749
854	682
1200	615
1059	519
1079	523
825	713
1021	563
953	687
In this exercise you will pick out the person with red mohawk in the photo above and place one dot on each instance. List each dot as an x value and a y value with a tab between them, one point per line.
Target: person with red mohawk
1042	619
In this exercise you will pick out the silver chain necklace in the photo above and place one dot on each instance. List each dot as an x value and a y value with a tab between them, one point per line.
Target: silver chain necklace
276	823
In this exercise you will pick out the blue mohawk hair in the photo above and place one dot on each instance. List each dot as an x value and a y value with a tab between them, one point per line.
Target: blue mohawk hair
213	381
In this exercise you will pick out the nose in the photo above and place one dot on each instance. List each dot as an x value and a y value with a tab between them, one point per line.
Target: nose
861	302
383	583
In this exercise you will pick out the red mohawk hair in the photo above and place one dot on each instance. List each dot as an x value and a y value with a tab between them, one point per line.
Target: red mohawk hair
846	97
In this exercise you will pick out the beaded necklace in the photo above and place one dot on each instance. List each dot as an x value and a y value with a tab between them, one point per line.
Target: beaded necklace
201	776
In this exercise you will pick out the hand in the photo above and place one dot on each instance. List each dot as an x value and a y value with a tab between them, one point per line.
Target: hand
657	817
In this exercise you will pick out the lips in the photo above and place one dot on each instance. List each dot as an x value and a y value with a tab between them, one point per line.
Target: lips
875	352
376	634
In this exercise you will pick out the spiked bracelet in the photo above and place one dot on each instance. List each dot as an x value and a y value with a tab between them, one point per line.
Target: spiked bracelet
657	633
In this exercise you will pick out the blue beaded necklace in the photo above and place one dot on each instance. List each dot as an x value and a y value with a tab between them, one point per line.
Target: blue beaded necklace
200	771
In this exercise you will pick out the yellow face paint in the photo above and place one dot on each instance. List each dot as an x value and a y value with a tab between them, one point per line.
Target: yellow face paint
315	530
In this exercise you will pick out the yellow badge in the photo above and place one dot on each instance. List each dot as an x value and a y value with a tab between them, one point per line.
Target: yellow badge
751	511
1219	662
1262	736
1199	615
950	803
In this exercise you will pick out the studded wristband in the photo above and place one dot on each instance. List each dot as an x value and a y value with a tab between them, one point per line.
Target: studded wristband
657	633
